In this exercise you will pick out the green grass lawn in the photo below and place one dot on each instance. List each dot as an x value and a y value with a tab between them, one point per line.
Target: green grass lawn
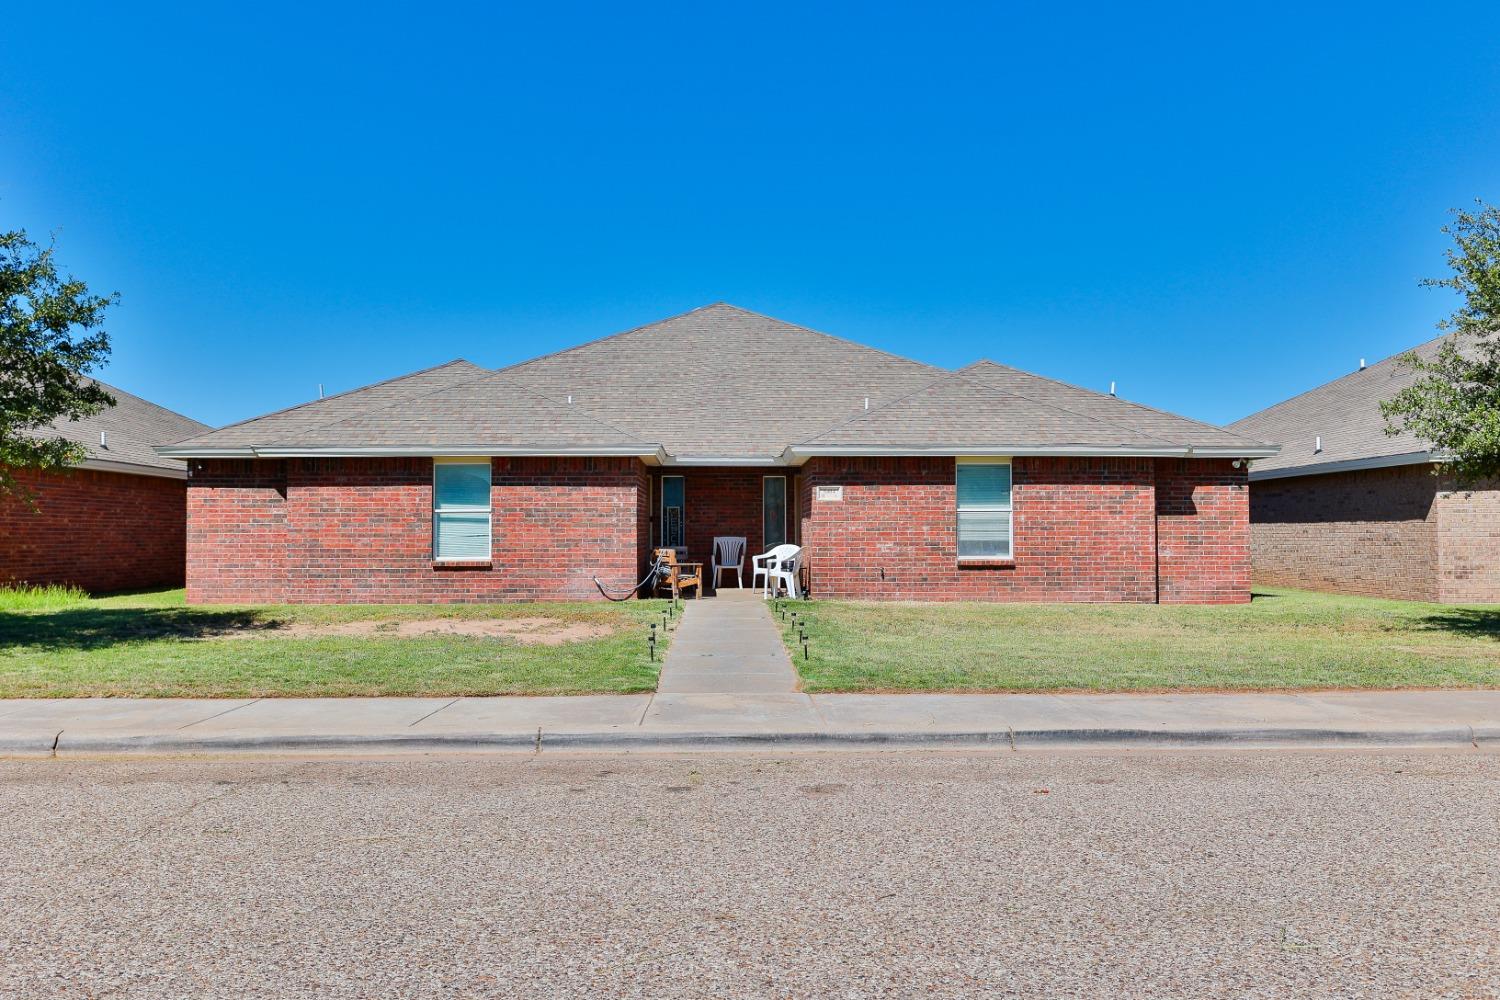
56	644
1282	639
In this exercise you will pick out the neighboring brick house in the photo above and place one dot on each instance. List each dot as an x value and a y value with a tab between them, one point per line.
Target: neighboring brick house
900	480
116	521
1345	507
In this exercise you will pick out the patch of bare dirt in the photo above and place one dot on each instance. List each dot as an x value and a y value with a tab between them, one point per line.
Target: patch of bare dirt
539	631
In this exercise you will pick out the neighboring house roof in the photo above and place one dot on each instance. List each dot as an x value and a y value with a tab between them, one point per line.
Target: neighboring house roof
1344	418
131	429
718	384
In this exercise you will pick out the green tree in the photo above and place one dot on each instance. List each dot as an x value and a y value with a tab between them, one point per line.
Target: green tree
1454	405
49	341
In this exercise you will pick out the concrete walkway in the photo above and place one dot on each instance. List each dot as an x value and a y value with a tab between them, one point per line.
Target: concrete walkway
727	667
646	722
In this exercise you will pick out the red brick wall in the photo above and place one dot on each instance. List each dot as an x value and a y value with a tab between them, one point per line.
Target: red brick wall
360	531
99	530
236	532
1372	532
1084	531
1468	544
1202	532
352	530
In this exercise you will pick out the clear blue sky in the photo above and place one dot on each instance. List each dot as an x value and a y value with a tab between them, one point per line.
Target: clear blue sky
1214	208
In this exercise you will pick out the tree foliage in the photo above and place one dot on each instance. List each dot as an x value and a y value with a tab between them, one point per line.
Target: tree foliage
50	339
1454	404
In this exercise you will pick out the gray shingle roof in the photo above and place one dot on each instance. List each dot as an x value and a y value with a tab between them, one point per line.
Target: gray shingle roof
716	383
493	411
132	429
961	409
282	425
1102	406
1345	413
724	381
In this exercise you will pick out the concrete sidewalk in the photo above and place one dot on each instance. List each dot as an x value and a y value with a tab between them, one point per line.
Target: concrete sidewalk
749	720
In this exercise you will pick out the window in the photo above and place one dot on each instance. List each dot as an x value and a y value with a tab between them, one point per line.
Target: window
461	510
772	511
672	527
984	528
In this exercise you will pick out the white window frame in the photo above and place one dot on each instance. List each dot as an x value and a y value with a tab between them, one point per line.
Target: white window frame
1010	508
487	511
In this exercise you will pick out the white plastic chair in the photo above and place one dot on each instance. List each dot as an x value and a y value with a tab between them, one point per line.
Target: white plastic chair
778	566
729	553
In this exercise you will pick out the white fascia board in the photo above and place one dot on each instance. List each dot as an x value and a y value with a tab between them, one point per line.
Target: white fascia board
132	468
188	451
1347	465
800	453
729	460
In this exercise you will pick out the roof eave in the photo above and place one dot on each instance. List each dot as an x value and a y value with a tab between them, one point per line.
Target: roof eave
653	453
801	452
132	468
1346	465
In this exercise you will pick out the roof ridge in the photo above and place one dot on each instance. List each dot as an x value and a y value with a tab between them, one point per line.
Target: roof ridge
471	382
831	336
346	392
1339	378
609	336
1128	402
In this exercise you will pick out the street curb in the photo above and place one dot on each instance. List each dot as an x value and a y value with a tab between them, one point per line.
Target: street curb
649	741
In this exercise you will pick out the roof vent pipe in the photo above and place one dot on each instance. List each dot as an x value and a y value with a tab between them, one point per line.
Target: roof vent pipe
1111	388
867	402
1361	364
320	390
104	439
1317	444
570	399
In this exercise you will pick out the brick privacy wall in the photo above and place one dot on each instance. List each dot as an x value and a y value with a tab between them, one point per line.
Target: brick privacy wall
360	531
1373	532
1084	531
236	532
1468	544
98	530
724	501
1202	532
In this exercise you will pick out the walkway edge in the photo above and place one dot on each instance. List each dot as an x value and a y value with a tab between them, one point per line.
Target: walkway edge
640	742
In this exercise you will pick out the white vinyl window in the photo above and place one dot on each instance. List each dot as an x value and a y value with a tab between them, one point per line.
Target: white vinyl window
984	511
461	509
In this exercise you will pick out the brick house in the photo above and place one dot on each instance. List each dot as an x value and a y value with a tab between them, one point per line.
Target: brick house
116	521
900	480
1344	507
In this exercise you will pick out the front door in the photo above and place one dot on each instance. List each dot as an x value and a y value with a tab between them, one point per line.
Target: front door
773	511
673	524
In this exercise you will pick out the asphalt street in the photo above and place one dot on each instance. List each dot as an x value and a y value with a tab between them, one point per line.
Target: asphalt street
1125	874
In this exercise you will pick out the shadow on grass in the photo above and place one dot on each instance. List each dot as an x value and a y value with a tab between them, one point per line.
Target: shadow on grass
97	628
1480	623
